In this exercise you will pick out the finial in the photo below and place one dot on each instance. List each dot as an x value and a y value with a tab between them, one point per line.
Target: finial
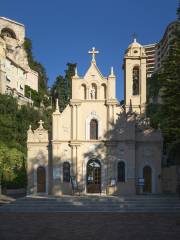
134	37
30	128
76	72
41	124
93	52
57	105
112	71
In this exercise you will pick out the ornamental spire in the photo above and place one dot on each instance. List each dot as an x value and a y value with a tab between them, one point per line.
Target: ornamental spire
93	52
57	105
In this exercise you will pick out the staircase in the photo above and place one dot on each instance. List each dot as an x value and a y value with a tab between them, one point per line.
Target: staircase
136	204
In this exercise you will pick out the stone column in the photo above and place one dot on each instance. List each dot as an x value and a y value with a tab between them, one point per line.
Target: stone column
76	122
98	92
74	119
74	160
88	93
111	113
110	118
131	171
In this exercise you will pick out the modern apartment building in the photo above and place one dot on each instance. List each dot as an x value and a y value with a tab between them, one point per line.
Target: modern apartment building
162	49
150	51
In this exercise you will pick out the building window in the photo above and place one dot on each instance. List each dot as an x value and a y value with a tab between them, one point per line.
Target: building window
121	172
93	129
66	172
6	32
136	80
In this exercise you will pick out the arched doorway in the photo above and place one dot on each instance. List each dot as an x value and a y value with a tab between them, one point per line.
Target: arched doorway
147	175
93	176
41	180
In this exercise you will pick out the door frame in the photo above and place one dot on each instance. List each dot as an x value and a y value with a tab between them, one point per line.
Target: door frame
95	159
151	178
35	178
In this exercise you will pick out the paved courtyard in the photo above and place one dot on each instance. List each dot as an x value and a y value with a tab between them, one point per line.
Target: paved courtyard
90	218
86	226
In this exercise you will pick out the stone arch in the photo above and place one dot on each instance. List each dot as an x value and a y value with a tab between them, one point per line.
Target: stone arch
7	32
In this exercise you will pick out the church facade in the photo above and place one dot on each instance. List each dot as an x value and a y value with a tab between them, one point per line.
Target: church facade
97	145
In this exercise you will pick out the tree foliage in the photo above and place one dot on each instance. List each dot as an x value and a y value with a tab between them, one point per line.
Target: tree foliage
36	66
165	85
14	122
61	89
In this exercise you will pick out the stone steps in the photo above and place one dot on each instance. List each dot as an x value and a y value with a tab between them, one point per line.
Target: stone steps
94	204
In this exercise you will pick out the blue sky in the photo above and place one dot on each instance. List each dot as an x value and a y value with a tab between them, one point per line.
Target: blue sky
63	31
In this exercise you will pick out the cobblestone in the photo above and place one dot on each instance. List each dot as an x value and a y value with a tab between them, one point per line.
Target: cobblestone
89	226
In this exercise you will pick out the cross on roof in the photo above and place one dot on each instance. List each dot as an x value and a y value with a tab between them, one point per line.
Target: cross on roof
134	36
93	52
40	124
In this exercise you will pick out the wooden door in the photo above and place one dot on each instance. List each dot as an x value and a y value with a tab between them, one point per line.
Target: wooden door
147	175
94	176
41	180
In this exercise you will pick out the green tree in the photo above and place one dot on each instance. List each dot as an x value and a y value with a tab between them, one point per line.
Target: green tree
166	86
61	89
14	122
36	66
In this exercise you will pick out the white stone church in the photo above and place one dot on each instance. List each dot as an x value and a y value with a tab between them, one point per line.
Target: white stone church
97	145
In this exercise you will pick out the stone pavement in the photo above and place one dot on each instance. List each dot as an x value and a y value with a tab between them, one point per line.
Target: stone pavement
89	226
91	218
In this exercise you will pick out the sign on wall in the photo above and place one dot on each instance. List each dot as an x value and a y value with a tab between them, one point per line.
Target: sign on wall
56	172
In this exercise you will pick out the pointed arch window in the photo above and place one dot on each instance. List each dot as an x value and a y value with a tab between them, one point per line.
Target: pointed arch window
136	80
66	172
94	129
121	171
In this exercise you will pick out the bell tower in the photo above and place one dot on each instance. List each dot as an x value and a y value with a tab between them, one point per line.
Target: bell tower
135	78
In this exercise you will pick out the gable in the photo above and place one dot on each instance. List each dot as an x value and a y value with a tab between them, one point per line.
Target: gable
93	73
